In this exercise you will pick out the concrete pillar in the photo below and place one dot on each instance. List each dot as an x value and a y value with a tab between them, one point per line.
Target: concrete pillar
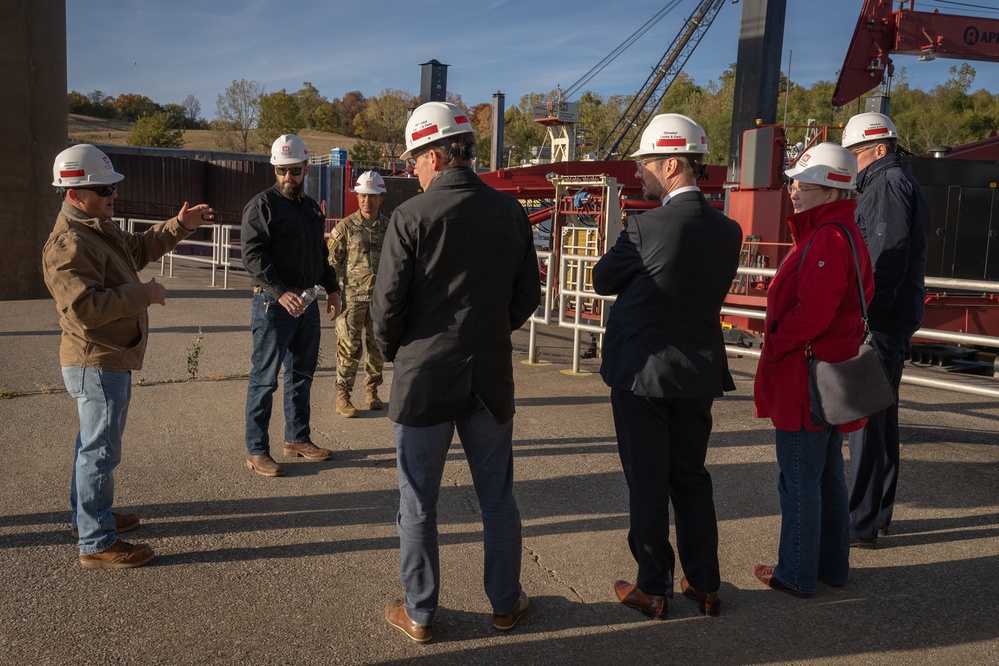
33	103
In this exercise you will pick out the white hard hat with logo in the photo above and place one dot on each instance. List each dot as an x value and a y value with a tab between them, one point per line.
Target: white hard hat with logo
288	149
670	133
828	164
865	127
83	165
370	182
434	121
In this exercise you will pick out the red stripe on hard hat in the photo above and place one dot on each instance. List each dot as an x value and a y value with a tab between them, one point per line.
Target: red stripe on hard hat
426	131
461	119
838	177
875	131
671	142
71	174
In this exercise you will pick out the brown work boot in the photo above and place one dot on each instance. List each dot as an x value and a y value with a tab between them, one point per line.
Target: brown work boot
395	613
374	402
123	523
264	464
343	406
121	555
307	450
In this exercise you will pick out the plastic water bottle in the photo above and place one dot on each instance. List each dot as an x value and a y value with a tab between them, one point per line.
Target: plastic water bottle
309	295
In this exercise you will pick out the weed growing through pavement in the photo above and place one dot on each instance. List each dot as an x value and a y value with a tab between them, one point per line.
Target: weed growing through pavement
193	353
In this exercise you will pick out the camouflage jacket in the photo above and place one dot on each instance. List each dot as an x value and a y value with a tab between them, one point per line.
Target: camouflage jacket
355	249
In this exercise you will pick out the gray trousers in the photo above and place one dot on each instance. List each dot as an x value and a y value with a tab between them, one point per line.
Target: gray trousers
420	456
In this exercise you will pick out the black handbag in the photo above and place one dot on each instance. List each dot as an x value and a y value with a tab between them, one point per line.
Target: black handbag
853	389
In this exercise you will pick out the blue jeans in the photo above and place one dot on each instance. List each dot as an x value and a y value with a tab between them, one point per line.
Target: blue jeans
420	457
280	339
815	515
102	400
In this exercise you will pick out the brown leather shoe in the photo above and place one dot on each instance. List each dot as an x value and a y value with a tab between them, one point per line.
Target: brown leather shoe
307	450
264	464
507	621
123	522
372	399
708	602
653	605
765	574
395	613
121	555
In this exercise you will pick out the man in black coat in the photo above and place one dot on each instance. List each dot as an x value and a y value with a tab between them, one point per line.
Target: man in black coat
664	359
894	220
458	274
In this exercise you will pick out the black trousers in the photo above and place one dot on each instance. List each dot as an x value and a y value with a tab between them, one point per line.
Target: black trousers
662	444
874	451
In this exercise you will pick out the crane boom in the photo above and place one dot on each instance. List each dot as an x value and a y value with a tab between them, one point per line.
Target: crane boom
881	32
625	132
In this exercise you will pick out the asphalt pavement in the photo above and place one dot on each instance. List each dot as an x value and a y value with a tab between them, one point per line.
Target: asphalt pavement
298	569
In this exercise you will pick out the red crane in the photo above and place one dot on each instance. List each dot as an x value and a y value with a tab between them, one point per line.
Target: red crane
881	32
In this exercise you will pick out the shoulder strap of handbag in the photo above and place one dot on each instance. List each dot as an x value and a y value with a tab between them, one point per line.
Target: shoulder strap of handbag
860	280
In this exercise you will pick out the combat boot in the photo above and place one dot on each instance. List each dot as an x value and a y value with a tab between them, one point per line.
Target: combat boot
343	406
374	402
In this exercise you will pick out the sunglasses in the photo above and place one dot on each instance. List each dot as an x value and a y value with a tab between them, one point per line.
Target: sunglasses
103	191
294	171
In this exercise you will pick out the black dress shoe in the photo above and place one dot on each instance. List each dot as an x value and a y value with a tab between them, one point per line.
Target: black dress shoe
652	605
867	543
708	602
883	531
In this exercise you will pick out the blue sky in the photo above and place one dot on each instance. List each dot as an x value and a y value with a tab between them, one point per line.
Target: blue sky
169	50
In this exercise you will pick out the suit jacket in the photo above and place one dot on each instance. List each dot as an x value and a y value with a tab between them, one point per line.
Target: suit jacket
458	274
671	269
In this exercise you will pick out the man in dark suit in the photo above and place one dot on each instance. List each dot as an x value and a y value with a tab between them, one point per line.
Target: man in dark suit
664	359
458	274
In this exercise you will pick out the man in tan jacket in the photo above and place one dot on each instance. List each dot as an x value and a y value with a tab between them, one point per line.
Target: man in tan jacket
91	269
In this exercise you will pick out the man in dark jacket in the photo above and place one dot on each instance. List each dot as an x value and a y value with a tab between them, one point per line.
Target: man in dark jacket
664	360
286	255
893	218
458	274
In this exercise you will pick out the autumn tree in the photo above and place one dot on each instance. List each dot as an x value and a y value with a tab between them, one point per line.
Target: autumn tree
279	114
192	109
237	111
156	131
309	102
383	119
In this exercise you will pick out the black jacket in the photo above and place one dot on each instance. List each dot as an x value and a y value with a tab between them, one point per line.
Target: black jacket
283	245
893	218
458	274
671	270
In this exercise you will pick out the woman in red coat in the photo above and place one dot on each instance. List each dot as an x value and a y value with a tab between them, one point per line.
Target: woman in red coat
812	303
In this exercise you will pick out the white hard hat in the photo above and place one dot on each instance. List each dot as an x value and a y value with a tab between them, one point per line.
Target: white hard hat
828	164
83	165
865	127
672	133
370	182
289	149
434	121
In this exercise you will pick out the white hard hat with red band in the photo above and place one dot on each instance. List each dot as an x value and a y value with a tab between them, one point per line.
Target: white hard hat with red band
865	127
83	165
370	182
288	149
670	133
828	164
432	122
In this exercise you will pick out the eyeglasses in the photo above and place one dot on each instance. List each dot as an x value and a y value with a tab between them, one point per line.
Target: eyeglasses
294	171
412	160
648	160
863	149
793	187
102	191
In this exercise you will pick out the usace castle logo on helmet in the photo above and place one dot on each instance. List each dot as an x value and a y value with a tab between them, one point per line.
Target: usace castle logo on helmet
973	36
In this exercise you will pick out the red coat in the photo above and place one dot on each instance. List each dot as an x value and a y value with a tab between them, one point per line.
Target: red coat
819	303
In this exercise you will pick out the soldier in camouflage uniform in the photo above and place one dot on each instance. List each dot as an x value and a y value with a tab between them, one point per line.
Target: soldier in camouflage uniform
355	248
